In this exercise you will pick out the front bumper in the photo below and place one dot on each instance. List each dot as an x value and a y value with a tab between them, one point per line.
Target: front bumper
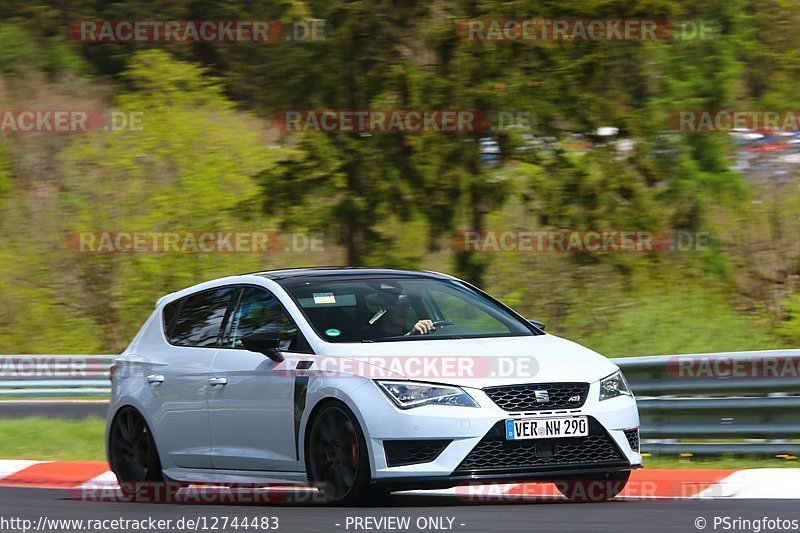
551	475
465	430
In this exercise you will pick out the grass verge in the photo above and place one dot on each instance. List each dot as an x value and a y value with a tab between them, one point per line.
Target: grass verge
52	439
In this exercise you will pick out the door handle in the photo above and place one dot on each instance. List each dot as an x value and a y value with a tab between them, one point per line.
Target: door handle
218	382
155	379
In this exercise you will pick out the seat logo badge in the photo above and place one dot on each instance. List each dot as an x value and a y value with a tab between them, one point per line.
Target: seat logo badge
542	396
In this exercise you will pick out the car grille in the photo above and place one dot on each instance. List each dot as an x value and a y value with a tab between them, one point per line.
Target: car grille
494	452
633	438
523	397
410	452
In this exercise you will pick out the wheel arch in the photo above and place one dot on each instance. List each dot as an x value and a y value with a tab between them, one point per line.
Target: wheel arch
114	412
334	396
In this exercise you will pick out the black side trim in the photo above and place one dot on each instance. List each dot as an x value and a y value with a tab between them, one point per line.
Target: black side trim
300	390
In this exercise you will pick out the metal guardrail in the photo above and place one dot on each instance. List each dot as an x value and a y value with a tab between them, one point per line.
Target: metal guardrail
722	403
731	373
54	375
737	402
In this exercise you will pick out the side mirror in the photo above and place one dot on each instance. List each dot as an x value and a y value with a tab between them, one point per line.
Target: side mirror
266	343
538	324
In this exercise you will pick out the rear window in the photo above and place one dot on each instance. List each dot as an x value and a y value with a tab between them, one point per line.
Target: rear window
200	318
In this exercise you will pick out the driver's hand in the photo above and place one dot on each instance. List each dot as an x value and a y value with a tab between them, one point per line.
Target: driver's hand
422	327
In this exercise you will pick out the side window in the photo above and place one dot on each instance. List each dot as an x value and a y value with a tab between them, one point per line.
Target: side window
260	312
199	321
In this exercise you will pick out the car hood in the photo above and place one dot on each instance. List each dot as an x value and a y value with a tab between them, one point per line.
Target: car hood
477	362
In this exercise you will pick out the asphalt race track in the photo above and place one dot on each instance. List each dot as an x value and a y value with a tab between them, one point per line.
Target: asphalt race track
72	409
630	515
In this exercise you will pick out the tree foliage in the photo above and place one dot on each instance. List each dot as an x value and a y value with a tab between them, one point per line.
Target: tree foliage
209	157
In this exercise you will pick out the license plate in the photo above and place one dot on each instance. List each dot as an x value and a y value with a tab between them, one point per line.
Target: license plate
547	428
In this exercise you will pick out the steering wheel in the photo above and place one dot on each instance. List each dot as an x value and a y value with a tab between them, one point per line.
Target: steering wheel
442	323
436	325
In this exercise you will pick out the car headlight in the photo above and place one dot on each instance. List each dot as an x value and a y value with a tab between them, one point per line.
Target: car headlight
613	386
408	394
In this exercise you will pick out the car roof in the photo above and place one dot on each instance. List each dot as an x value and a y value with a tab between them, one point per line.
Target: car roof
296	274
290	276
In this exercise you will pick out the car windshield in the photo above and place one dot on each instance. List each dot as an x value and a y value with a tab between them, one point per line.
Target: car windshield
382	310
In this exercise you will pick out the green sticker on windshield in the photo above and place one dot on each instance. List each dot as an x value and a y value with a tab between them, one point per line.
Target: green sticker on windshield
333	332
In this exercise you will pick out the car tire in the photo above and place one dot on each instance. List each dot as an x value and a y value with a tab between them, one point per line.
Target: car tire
132	452
599	489
337	459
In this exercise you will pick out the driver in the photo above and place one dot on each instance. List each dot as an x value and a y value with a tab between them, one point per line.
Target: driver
391	320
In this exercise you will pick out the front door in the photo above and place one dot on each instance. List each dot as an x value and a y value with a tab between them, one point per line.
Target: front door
252	398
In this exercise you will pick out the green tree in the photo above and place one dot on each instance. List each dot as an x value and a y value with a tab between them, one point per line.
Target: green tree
190	167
